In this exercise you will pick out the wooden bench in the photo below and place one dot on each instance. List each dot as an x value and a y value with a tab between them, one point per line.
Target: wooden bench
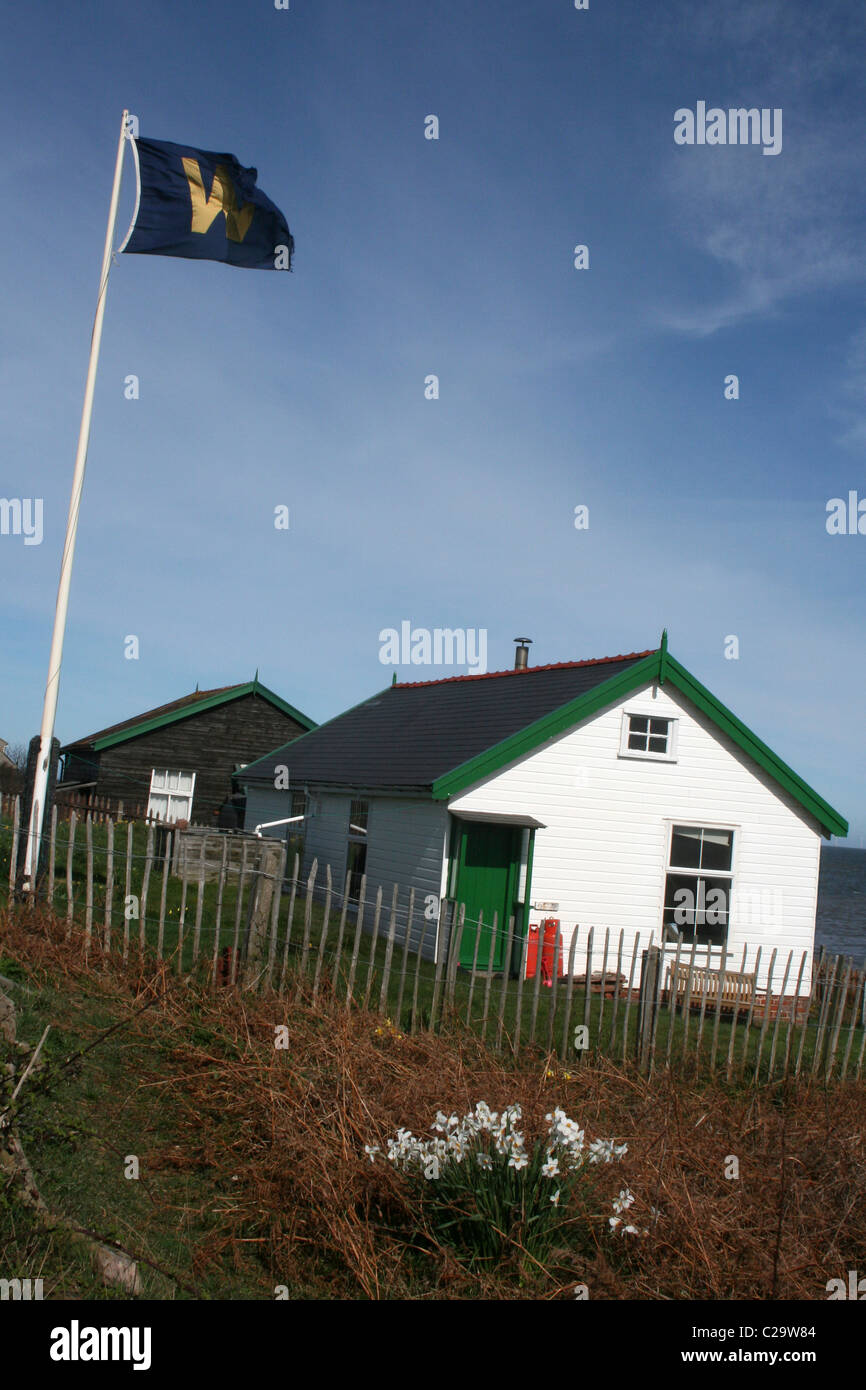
608	983
737	989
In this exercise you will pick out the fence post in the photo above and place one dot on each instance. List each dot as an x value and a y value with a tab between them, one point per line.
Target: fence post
399	1009
13	857
88	895
650	965
70	850
166	866
371	968
389	954
359	923
242	877
127	884
199	903
223	871
857	1010
109	878
308	926
290	919
52	854
145	884
503	994
260	913
489	979
478	930
275	910
443	964
837	1021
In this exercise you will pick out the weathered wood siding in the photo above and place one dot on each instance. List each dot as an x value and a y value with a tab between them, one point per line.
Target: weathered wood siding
603	854
209	744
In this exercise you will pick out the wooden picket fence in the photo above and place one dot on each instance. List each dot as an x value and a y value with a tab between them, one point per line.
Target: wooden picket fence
257	923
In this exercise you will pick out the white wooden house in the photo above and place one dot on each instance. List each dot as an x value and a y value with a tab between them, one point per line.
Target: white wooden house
616	792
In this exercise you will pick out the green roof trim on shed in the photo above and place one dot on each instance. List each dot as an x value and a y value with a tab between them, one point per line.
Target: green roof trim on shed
235	692
658	666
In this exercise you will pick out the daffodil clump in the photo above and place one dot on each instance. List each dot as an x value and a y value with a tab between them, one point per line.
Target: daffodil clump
488	1192
390	1030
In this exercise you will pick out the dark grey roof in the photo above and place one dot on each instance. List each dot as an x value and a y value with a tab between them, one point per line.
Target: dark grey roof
409	735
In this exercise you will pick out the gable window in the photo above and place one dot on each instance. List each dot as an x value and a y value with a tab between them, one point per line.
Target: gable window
171	795
648	736
356	857
698	885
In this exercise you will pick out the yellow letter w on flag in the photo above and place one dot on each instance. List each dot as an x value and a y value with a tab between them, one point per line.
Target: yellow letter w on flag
222	199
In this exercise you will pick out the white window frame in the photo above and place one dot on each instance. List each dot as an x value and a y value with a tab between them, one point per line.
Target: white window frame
357	835
688	822
673	728
166	791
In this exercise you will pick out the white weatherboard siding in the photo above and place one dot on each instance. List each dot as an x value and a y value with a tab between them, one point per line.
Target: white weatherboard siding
325	828
406	843
603	854
326	834
265	804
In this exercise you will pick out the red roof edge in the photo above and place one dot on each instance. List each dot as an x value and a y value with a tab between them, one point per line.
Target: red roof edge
526	670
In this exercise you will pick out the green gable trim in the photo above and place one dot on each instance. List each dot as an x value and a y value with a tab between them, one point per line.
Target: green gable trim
830	821
254	687
557	722
658	666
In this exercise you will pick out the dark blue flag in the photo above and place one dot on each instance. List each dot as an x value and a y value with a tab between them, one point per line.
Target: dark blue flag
206	206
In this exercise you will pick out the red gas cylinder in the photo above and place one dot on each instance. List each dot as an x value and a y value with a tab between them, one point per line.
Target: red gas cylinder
532	953
548	950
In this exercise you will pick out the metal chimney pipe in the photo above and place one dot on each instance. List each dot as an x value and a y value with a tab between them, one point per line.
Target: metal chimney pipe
521	656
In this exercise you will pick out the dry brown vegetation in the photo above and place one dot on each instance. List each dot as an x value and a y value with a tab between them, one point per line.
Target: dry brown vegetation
279	1135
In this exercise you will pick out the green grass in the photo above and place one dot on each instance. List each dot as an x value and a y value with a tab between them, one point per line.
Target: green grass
78	1149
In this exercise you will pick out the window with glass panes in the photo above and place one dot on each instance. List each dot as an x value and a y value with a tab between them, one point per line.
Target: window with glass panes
698	884
356	858
171	795
648	736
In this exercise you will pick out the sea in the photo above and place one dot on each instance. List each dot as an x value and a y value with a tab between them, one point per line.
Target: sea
841	919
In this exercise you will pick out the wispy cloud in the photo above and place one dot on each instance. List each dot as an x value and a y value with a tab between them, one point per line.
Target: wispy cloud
783	227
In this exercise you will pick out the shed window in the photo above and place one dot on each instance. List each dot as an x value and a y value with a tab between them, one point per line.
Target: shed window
648	736
698	885
171	795
356	857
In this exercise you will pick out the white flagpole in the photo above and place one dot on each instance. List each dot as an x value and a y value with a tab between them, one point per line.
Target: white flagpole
49	709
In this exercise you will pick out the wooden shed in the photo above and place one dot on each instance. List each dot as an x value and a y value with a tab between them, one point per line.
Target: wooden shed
180	761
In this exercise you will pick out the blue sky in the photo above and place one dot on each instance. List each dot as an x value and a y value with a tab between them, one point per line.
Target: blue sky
558	387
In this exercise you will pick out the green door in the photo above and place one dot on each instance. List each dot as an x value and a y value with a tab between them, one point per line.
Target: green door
488	876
